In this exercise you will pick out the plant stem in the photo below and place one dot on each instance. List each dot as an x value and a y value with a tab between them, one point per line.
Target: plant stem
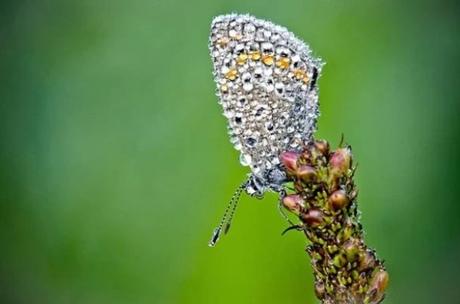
324	198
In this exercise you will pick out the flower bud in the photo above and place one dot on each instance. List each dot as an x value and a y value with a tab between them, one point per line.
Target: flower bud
339	260
289	160
366	261
313	217
377	286
293	203
306	173
320	290
340	161
351	250
322	146
338	200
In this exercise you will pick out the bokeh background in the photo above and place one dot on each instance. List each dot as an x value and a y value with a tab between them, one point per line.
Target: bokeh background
115	164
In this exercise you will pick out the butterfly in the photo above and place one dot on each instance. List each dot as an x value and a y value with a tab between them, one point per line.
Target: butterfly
266	81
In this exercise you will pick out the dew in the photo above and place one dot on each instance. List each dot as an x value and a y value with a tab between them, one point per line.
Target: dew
248	87
250	141
245	159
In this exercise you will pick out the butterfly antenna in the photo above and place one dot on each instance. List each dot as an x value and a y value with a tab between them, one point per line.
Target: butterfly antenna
225	222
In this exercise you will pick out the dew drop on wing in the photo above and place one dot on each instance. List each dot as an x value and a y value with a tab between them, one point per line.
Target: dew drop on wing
245	159
251	141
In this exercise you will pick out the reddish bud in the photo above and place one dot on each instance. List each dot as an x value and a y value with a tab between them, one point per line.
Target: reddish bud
293	203
289	160
313	217
320	290
340	161
322	146
338	200
366	261
306	173
377	286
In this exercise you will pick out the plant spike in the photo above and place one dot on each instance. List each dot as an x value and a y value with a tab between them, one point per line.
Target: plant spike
345	269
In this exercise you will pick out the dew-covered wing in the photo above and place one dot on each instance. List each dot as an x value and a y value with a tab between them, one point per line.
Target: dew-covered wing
266	84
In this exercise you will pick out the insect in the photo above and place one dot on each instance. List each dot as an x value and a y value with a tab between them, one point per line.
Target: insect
267	86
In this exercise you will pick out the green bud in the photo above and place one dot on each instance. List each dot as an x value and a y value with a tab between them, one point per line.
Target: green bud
339	260
355	275
332	248
347	232
351	250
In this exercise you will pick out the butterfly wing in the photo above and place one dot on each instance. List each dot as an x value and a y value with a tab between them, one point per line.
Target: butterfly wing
266	84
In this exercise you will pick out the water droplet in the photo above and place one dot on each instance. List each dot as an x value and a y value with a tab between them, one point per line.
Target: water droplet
229	114
248	87
245	159
249	29
251	141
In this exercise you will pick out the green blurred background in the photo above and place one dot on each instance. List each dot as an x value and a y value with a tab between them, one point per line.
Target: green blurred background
115	164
